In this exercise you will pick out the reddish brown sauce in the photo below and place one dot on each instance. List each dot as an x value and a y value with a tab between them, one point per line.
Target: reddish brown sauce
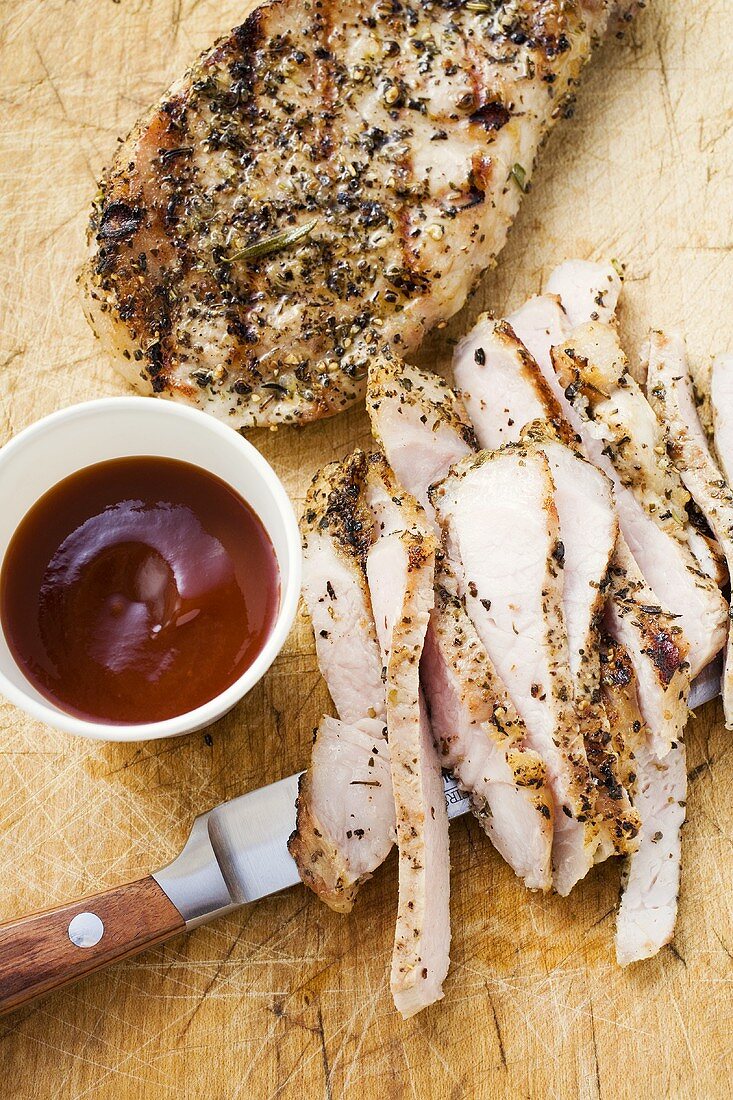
137	590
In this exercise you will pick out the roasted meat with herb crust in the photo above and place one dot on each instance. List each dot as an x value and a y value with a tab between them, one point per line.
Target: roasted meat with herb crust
662	554
509	399
594	372
345	822
670	391
483	740
505	556
589	291
337	532
652	634
401	571
419	422
325	180
651	879
422	426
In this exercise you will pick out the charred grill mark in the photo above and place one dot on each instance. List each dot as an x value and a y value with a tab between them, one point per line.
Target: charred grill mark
487	108
666	655
248	37
476	76
492	116
616	668
410	279
120	221
245	87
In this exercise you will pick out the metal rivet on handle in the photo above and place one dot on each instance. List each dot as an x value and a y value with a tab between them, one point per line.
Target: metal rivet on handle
86	930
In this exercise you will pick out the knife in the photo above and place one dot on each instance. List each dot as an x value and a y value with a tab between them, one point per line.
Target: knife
235	854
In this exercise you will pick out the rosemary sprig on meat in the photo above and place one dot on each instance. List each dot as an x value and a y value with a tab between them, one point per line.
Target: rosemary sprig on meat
265	246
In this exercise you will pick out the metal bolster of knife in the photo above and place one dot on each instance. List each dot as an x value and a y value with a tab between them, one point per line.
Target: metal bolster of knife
193	881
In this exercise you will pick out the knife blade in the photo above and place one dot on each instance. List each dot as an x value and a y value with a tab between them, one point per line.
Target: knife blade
235	853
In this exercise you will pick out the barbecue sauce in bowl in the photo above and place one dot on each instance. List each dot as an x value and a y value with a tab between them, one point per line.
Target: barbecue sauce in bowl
137	590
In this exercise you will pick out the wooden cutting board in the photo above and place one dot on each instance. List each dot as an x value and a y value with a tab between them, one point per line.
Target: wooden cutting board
286	998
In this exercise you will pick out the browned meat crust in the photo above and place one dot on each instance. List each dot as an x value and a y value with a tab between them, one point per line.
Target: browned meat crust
320	863
335	504
324	181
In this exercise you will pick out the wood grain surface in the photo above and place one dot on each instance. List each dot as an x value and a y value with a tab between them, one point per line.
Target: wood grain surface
285	998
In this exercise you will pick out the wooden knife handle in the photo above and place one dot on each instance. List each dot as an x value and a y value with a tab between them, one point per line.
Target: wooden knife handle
45	951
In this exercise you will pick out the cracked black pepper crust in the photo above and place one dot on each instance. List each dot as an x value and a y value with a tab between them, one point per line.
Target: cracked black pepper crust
324	181
335	504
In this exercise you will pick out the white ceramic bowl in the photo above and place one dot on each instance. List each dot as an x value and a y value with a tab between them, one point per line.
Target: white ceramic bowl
120	427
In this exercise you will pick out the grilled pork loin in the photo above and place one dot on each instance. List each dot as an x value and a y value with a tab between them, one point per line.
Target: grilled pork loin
588	291
419	422
594	373
323	181
589	531
650	885
667	565
400	567
658	641
592	292
496	375
482	740
334	851
505	394
345	824
506	557
665	559
524	387
423	428
670	392
539	325
656	646
337	531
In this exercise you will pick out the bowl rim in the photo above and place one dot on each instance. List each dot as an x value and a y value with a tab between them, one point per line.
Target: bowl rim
217	707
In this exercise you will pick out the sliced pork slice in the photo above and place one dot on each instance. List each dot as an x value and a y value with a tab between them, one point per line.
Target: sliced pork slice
677	581
672	572
705	546
540	324
588	529
424	429
581	285
666	562
345	822
496	374
594	373
336	528
650	885
515	405
657	646
588	291
670	391
505	558
482	740
419	422
721	399
400	568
